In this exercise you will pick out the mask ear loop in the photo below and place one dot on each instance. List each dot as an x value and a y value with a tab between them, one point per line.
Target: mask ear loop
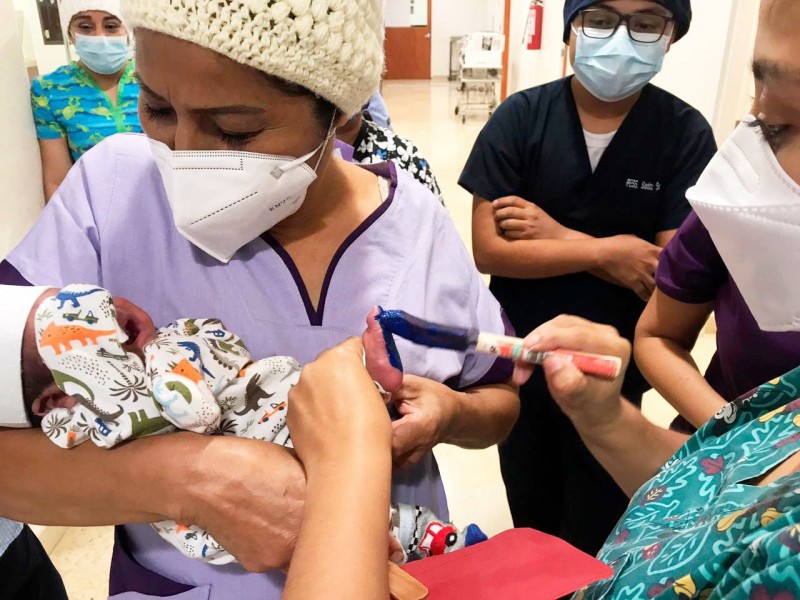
278	172
331	132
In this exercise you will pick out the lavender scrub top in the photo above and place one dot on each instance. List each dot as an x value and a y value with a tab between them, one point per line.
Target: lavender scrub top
110	224
692	271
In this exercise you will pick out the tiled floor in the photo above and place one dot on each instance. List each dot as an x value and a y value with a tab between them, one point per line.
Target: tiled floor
424	113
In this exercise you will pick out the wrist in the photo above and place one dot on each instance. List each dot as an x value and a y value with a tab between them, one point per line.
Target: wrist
352	462
601	427
453	409
601	253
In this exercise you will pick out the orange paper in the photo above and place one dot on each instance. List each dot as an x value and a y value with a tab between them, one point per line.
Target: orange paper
520	564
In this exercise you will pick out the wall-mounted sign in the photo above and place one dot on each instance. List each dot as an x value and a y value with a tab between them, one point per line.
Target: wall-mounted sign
406	13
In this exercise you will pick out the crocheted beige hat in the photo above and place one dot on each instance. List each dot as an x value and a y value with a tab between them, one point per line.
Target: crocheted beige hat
332	47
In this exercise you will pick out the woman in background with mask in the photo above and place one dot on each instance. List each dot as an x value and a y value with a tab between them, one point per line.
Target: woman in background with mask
753	344
80	104
577	185
232	205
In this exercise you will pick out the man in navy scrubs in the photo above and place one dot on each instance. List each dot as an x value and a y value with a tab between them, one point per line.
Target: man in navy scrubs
577	186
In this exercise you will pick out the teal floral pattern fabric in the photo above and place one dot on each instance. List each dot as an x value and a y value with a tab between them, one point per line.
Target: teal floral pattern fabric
68	103
702	528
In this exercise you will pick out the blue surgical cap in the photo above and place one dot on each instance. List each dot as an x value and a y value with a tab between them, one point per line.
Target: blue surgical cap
681	10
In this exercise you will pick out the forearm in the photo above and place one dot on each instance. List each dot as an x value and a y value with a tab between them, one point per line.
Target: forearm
84	486
483	416
630	448
539	259
672	371
349	500
572	234
142	481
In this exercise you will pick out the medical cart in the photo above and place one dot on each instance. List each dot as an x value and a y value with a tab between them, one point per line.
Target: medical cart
480	73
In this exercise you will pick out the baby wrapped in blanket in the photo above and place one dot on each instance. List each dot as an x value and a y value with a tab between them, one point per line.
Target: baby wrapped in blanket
195	376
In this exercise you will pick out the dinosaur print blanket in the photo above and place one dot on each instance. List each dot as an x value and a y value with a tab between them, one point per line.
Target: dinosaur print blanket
196	376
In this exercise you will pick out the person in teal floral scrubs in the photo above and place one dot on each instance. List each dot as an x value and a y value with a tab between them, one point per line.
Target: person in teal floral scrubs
69	103
80	104
703	527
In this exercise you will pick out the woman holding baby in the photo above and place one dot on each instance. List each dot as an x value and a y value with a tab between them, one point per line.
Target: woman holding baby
232	206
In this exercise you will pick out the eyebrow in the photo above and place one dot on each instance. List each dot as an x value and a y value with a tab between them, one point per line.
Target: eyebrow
234	109
770	69
88	18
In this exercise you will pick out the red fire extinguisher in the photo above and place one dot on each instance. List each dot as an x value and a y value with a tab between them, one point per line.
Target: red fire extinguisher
533	31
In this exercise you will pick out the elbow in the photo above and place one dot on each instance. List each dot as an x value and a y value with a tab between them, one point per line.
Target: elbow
484	259
641	345
483	265
505	424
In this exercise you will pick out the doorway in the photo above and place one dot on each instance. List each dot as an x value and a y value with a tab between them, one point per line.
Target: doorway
408	39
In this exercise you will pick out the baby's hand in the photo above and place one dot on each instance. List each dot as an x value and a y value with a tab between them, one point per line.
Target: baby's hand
136	323
377	356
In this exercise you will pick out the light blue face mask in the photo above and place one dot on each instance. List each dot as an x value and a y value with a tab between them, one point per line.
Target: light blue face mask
617	67
103	54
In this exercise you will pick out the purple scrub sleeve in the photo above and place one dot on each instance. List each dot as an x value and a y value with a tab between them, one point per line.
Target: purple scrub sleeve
691	271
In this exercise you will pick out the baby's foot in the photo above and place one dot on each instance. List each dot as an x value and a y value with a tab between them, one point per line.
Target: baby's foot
379	365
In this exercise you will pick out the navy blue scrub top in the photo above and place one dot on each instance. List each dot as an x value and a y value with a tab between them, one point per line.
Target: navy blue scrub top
534	147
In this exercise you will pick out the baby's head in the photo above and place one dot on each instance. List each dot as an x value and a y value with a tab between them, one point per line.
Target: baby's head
78	316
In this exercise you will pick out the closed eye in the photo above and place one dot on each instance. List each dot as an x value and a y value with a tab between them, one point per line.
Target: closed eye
774	134
236	140
155	114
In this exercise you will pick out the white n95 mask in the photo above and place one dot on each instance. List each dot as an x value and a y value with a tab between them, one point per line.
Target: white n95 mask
751	208
223	200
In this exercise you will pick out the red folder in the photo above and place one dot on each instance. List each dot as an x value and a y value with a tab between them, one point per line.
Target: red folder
520	564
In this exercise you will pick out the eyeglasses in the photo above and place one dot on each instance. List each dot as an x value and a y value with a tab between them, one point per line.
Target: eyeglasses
602	23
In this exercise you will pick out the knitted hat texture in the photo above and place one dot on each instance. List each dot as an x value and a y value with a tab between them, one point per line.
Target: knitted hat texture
332	47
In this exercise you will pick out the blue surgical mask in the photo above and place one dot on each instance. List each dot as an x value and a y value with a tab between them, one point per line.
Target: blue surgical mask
103	54
617	67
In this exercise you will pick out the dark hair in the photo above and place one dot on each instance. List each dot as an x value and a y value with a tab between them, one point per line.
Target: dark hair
324	111
35	379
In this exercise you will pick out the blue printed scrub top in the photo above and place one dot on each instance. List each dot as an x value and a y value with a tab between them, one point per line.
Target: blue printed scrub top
701	528
69	103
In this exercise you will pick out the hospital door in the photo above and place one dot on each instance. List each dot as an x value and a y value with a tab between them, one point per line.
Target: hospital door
408	39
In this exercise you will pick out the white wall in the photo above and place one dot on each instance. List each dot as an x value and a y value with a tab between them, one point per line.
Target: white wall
693	67
21	193
455	18
48	58
737	86
528	68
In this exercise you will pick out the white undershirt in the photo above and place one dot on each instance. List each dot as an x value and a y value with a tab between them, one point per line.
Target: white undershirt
596	144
